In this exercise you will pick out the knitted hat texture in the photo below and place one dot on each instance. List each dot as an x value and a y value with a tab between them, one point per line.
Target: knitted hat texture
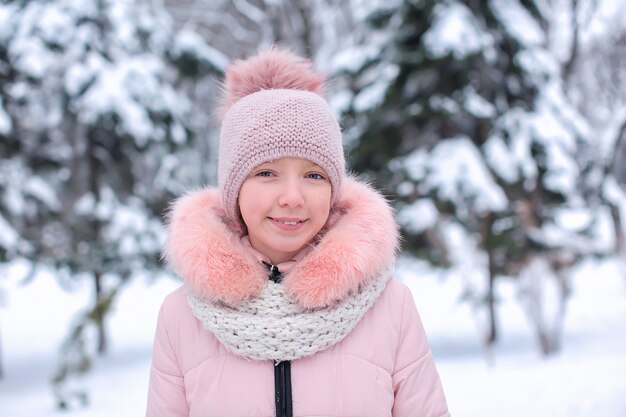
273	108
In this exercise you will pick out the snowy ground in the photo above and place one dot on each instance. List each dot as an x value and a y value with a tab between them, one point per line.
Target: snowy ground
585	379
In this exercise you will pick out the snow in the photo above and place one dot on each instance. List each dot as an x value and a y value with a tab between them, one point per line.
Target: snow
476	105
8	236
539	63
455	171
189	42
135	230
131	20
5	120
613	192
414	163
418	216
443	103
80	73
111	93
340	102
500	159
518	22
13	198
610	134
43	191
354	59
33	321
455	31
128	89
540	293
128	224
7	20
252	13
31	57
374	94
85	204
584	380
572	219
513	157
121	77
568	229
559	147
606	17
57	27
366	8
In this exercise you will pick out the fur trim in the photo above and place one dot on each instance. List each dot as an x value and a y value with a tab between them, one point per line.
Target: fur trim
359	244
271	69
203	250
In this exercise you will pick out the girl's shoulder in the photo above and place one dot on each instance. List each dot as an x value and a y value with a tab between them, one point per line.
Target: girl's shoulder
175	300
396	293
396	309
188	340
175	308
393	307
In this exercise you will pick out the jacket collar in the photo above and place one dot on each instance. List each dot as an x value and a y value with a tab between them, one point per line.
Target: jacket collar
206	251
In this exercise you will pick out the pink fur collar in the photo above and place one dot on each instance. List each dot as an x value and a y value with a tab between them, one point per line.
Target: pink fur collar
206	252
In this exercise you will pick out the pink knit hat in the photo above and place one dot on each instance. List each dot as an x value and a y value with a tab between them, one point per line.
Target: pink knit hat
274	108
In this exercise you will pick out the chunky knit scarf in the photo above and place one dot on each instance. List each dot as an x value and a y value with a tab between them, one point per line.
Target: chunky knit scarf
273	326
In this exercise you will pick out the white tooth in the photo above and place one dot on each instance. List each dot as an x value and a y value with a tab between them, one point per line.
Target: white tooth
288	223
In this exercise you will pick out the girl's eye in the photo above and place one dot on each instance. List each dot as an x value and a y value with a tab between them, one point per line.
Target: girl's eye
315	176
264	174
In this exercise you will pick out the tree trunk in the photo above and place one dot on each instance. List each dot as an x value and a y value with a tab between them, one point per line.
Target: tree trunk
99	316
563	271
568	67
307	38
492	336
1	367
492	332
618	165
94	173
546	270
618	228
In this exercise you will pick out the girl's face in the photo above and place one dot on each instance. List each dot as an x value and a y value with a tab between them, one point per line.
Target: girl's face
284	204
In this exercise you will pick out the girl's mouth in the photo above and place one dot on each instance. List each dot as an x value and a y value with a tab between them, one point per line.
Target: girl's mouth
287	223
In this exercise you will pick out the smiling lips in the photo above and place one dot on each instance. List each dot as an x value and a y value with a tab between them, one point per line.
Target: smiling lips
289	224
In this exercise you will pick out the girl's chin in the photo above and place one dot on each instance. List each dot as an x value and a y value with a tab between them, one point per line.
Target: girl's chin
286	252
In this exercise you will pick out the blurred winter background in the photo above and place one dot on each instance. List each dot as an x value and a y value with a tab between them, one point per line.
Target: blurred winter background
498	128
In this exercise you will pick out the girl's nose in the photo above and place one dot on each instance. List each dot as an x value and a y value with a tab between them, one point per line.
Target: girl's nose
291	195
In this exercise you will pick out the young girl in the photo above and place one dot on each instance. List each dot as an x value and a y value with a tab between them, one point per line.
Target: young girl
288	305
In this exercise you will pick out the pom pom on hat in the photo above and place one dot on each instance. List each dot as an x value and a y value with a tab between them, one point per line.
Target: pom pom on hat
273	108
271	69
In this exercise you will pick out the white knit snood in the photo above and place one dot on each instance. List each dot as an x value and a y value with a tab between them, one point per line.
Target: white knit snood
273	326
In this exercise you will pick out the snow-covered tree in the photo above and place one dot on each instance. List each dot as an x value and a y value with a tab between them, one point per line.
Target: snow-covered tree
240	27
597	85
90	126
458	111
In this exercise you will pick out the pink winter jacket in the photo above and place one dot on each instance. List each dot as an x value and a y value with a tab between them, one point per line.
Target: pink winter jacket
383	367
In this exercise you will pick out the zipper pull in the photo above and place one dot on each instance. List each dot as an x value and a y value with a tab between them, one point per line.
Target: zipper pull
275	274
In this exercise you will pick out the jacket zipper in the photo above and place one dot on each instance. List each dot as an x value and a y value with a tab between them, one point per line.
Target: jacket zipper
282	389
274	274
282	369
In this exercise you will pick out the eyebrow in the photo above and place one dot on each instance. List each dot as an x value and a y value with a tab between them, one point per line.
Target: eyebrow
309	165
314	166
